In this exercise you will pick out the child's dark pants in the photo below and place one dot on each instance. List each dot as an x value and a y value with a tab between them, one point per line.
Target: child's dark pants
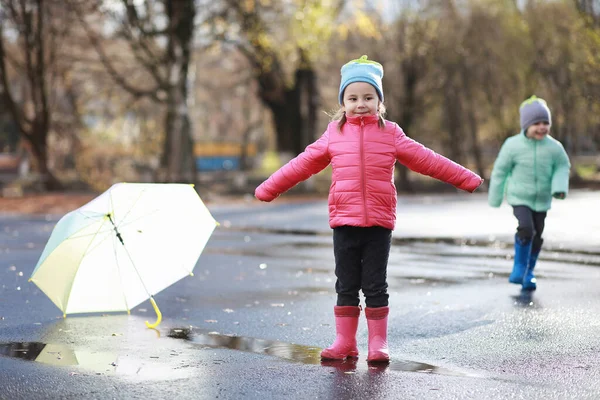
531	226
361	258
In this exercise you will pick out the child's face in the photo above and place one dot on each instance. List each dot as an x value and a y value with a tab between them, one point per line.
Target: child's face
360	98
538	130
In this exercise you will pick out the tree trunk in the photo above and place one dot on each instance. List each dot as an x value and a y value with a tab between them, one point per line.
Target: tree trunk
453	115
32	113
307	106
37	147
472	122
178	153
407	118
294	110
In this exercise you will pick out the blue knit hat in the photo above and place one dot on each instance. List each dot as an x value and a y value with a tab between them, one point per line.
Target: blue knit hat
534	110
362	70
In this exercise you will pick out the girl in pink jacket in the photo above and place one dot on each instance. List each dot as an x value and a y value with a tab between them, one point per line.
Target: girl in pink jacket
362	148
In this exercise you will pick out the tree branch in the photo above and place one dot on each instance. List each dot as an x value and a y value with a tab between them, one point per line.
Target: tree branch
41	69
21	122
112	71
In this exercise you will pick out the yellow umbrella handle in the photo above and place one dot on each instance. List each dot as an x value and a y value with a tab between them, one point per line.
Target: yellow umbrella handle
158	315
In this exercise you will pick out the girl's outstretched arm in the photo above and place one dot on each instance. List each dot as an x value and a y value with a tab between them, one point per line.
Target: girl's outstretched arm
312	160
425	161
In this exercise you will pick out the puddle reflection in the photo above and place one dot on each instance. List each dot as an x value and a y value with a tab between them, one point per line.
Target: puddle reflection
288	351
115	364
57	354
347	365
525	299
97	362
303	354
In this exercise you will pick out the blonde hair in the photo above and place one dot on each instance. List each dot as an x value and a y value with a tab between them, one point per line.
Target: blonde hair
340	115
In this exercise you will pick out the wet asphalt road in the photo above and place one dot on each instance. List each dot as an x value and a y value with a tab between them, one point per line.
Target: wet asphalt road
252	321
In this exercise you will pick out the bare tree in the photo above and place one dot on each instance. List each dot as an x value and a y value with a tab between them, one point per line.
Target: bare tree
29	39
293	105
414	39
160	36
282	60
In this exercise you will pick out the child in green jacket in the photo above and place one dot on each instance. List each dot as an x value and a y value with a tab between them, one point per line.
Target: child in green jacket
531	169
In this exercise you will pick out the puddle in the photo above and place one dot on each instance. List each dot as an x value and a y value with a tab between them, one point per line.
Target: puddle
107	363
100	363
301	353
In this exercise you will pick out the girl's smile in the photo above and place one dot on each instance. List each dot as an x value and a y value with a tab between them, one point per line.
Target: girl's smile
360	98
538	130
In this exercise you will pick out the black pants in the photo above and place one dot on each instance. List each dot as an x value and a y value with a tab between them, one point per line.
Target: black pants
361	258
531	226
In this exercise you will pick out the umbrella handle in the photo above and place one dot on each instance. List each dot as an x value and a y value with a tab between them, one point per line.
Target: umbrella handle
158	315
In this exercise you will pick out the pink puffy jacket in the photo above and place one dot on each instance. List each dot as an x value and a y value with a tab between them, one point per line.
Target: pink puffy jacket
362	156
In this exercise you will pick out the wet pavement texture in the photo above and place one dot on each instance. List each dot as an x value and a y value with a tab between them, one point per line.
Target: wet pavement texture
252	320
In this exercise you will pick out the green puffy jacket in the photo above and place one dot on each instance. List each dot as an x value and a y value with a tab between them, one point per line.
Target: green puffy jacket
529	171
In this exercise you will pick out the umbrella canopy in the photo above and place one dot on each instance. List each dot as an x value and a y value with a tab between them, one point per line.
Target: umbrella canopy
123	247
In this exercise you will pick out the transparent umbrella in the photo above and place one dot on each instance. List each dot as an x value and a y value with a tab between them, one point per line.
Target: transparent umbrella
123	247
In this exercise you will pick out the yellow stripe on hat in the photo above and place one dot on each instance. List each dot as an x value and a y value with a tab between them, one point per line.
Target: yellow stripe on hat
533	99
363	60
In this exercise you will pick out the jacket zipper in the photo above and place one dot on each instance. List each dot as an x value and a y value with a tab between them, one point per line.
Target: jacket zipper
362	171
535	180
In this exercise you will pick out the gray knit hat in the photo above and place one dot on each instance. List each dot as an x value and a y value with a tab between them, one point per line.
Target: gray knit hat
534	110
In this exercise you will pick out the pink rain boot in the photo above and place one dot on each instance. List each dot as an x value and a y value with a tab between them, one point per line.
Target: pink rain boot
377	319
346	324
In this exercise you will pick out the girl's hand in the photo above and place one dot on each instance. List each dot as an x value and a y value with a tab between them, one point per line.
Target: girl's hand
263	195
559	195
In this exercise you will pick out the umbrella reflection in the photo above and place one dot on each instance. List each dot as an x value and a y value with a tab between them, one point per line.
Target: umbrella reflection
92	361
60	355
102	346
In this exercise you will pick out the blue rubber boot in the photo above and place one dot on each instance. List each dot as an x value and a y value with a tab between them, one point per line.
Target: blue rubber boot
522	254
529	281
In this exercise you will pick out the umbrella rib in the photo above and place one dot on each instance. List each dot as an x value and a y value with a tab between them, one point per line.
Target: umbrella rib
135	269
90	214
99	242
124	224
120	276
82	256
142	192
118	236
74	235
